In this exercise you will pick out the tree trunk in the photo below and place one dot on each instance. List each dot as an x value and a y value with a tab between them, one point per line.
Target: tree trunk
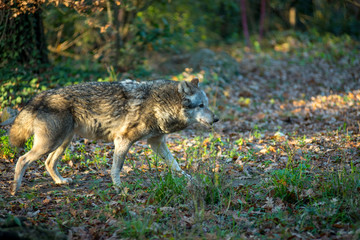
40	39
262	18
244	22
22	39
118	41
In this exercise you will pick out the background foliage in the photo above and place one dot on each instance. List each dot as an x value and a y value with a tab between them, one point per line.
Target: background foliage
123	33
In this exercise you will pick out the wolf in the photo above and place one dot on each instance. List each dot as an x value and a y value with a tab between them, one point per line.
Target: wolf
121	112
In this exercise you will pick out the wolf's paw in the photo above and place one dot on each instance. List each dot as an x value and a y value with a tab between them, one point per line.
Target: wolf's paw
118	187
64	181
14	189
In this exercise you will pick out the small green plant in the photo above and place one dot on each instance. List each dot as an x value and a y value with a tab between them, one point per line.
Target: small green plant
68	155
302	141
29	143
169	189
113	76
6	151
99	158
256	133
136	228
289	183
342	183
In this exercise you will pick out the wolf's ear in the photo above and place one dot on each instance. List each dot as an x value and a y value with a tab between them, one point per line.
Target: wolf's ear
195	81
184	88
187	88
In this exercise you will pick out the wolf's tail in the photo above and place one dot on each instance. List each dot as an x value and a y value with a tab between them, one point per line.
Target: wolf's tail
22	128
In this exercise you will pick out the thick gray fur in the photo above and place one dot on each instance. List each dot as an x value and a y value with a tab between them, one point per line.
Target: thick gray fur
123	112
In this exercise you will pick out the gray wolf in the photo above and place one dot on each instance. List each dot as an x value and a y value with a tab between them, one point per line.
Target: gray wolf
122	112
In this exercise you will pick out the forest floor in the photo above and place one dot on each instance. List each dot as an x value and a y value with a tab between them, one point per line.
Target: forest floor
283	163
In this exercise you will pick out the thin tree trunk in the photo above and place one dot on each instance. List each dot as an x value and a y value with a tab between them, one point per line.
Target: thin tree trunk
118	43
244	22
262	18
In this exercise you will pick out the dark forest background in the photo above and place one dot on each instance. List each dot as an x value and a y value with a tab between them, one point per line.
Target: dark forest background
123	34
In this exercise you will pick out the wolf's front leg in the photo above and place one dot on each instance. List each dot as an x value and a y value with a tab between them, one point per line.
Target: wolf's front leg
158	145
122	146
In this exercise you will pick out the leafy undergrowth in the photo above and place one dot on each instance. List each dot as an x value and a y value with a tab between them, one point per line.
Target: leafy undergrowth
284	162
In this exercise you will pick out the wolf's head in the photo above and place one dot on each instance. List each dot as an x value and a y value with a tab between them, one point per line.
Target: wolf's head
196	103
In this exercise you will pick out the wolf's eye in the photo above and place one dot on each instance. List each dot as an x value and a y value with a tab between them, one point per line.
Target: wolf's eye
201	105
191	106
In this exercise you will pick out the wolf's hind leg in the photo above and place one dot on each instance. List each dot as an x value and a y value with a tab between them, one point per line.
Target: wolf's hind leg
51	130
53	159
37	151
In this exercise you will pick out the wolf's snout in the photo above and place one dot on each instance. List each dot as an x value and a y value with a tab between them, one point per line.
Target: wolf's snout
216	119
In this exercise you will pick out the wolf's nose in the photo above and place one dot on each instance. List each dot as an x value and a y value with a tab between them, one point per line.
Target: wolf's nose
216	119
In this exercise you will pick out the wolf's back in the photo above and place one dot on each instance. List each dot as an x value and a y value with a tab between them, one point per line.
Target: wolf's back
22	128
